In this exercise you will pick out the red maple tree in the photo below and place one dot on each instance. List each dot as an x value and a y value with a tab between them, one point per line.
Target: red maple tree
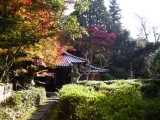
97	41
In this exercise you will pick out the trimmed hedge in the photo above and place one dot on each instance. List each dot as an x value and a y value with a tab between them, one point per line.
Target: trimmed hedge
148	87
109	100
72	97
21	101
78	102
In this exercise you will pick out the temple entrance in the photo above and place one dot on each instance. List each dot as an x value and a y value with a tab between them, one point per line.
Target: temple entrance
62	77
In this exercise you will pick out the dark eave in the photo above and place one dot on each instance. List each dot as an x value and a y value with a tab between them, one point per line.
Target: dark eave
94	69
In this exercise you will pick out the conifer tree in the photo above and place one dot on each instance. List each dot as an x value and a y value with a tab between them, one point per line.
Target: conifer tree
96	14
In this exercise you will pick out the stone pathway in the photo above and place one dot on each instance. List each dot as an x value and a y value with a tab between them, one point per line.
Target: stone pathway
52	99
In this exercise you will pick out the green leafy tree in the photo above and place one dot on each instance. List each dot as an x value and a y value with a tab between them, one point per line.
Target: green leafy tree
154	63
140	60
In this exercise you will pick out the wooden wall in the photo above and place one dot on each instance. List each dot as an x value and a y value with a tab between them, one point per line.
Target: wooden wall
97	76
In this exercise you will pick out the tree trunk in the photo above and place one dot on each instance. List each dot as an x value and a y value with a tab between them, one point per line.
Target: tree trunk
6	68
93	76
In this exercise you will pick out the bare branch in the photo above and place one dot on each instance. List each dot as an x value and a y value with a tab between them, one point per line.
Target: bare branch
144	32
155	34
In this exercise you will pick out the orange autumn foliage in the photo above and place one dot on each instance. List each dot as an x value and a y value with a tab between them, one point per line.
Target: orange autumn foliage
36	29
48	51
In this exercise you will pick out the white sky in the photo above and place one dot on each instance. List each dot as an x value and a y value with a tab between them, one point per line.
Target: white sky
149	9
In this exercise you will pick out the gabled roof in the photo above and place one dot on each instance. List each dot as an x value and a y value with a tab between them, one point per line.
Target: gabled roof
69	59
74	59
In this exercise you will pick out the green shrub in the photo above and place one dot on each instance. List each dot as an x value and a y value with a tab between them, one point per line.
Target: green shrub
72	97
150	90
3	115
151	109
124	98
149	81
105	108
144	110
97	85
107	76
154	63
130	113
109	100
111	85
119	73
23	100
96	109
79	102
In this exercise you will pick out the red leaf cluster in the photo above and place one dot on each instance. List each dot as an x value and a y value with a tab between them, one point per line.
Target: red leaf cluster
97	35
27	2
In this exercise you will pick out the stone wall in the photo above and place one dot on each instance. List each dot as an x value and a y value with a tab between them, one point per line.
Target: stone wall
6	91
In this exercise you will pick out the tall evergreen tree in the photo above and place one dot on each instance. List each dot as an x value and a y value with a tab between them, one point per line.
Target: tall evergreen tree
124	48
95	15
122	34
114	11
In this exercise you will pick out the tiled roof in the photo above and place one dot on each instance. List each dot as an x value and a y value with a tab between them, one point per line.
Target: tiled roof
73	59
68	59
64	63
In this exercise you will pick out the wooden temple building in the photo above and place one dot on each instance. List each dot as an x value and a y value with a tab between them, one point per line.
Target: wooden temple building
67	69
